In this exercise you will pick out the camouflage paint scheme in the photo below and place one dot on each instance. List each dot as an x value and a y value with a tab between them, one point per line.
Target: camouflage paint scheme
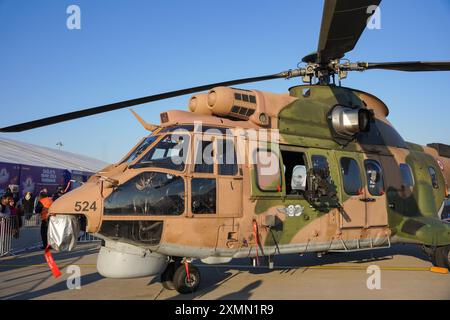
301	118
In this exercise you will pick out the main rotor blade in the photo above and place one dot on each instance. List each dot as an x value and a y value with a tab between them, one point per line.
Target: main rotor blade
133	102
411	66
343	22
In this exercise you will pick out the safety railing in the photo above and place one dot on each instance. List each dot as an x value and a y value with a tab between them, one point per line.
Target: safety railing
7	225
28	232
31	220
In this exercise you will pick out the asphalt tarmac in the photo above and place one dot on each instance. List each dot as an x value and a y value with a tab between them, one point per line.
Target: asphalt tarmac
404	274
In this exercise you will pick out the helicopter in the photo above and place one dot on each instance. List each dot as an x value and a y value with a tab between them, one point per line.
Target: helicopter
252	174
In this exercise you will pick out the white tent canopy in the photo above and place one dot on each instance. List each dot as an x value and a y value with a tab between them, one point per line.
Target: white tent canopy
18	152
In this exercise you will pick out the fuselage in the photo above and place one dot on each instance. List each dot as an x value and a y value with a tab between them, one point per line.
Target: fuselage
268	174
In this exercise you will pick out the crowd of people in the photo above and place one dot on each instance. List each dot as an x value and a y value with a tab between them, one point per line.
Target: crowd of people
16	208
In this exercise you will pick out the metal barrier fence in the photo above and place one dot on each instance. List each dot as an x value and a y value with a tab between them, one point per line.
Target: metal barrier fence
29	234
6	233
31	221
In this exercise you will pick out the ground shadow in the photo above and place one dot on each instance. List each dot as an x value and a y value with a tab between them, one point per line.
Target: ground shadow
35	257
214	276
244	294
60	286
297	261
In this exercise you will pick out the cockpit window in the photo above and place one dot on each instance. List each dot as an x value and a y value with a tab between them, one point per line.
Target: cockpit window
169	153
144	145
148	194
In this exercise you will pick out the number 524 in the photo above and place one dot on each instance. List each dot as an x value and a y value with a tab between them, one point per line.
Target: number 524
85	206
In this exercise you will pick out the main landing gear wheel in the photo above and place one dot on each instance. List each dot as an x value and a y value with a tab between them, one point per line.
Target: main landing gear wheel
167	276
184	284
441	257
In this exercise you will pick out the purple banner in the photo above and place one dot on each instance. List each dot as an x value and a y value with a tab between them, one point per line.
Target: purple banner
34	179
9	174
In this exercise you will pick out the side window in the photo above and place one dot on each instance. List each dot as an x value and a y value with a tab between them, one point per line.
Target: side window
203	196
407	177
226	157
374	177
268	175
320	165
434	180
204	156
351	176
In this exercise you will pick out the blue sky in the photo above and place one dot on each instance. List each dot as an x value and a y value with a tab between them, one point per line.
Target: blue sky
134	48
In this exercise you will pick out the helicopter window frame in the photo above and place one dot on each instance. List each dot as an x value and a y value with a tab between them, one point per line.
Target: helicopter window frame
144	186
223	150
318	164
199	139
125	159
434	178
407	175
213	138
345	180
304	161
379	188
279	187
193	195
138	163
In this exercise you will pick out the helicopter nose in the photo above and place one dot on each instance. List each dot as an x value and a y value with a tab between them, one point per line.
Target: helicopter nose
68	211
83	201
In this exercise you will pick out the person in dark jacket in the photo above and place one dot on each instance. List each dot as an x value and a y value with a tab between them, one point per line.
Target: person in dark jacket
58	193
4	205
42	207
15	215
28	205
8	192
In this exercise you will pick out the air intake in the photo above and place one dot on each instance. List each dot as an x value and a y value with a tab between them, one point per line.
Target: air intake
346	122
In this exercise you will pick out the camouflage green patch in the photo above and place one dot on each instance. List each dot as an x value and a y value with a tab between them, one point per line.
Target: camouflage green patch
432	232
414	147
426	198
291	225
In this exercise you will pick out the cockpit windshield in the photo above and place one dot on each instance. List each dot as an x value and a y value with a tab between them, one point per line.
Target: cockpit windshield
144	145
169	153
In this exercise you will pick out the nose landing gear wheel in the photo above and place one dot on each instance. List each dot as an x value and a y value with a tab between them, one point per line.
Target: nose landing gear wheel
184	284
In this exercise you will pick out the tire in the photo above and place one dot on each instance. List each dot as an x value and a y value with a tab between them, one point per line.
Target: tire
442	257
167	276
180	279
